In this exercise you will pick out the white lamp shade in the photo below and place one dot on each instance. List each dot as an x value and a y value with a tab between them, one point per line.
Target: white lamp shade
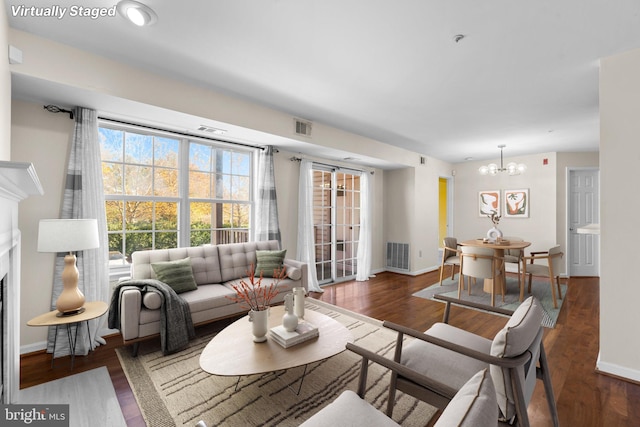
67	235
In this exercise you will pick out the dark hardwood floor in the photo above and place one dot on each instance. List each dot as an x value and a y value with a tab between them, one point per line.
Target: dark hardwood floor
584	397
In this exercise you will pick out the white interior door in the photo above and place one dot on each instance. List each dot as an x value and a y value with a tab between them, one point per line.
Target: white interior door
584	209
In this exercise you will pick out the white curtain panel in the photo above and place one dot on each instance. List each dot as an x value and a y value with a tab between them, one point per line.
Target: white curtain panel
306	248
366	212
84	198
267	225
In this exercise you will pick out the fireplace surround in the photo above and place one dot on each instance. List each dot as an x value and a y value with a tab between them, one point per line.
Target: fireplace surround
17	181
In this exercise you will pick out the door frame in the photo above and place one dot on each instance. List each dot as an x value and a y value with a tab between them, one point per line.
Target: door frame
568	218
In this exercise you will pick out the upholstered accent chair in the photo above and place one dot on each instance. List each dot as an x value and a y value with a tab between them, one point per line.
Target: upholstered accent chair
450	356
480	263
450	256
474	405
550	269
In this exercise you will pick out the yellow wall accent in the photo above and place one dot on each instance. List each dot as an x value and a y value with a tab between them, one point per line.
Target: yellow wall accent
442	210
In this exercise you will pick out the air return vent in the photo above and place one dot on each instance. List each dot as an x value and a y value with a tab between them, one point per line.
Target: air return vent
209	129
302	127
398	256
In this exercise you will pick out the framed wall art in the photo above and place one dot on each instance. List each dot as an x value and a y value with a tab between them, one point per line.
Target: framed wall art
516	203
489	202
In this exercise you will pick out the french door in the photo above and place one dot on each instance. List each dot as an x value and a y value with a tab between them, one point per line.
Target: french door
336	219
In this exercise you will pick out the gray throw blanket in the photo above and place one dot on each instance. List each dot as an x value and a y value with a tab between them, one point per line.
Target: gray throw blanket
176	326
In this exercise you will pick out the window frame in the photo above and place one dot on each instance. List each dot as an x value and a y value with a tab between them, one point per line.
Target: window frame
183	199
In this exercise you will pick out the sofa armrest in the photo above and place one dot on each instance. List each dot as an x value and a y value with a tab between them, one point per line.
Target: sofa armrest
130	305
302	266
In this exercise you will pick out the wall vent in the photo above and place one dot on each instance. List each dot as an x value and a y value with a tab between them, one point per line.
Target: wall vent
209	129
398	256
302	127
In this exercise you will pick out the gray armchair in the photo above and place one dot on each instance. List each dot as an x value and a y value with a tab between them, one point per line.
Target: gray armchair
474	405
449	356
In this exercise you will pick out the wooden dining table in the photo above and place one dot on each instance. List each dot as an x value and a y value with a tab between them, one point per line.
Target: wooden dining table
498	252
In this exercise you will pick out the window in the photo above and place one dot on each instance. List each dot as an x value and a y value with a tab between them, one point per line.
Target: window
164	191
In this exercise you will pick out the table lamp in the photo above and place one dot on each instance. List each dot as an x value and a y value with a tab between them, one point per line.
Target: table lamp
68	235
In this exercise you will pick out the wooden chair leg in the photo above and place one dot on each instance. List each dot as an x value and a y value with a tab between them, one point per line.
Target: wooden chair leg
543	373
559	288
553	292
441	273
453	271
461	285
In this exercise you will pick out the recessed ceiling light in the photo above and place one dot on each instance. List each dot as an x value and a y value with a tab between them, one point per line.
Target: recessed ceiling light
136	12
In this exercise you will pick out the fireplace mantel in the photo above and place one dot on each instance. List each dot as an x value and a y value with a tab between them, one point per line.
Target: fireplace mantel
17	182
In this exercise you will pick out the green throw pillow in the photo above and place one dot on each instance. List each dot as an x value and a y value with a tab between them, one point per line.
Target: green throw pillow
178	274
268	261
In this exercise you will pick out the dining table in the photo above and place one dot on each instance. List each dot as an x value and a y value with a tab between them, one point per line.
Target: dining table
498	246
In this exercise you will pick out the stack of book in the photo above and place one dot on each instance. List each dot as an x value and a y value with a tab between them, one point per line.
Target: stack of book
305	331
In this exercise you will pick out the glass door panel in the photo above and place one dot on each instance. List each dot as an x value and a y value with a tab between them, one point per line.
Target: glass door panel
337	220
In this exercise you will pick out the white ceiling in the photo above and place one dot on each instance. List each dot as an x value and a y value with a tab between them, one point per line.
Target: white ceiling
524	75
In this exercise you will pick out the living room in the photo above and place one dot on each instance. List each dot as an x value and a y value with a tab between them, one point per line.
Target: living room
404	182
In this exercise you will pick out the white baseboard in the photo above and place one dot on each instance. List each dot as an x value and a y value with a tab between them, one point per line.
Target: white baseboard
42	345
618	371
32	348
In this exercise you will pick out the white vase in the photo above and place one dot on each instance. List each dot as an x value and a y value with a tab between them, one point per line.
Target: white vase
259	326
298	302
493	234
289	320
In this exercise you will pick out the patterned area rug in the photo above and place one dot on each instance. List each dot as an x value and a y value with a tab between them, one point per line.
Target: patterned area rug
173	390
540	289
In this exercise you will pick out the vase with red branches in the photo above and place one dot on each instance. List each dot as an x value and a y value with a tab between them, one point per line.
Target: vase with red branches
255	296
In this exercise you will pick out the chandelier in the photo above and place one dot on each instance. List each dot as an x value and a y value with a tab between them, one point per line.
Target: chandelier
512	168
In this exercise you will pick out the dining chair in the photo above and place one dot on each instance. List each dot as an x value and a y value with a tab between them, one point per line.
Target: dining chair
450	256
448	356
514	256
480	263
550	269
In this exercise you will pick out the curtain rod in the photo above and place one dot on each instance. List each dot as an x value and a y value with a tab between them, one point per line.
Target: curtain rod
299	159
122	122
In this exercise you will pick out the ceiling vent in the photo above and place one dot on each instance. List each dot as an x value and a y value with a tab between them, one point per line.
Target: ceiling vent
302	127
209	129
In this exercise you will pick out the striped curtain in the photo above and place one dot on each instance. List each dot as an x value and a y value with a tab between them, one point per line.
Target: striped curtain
84	198
267	225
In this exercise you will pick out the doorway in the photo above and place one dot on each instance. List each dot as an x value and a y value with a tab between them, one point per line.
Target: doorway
583	209
445	209
336	218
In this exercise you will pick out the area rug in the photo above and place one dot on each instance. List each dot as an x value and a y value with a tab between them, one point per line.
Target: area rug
173	390
540	289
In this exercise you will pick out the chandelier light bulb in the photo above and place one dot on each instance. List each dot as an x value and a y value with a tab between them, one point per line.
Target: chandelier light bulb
493	169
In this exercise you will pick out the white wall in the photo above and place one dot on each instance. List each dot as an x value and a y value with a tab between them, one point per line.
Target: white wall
540	228
43	139
619	207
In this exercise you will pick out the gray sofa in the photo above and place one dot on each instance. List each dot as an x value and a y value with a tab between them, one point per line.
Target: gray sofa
215	269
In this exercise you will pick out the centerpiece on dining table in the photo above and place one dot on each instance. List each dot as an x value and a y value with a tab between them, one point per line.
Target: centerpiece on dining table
255	296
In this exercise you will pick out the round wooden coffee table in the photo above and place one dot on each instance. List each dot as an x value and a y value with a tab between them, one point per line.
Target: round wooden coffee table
232	352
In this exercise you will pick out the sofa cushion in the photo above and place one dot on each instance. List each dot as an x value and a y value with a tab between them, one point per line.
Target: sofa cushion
294	273
236	259
178	274
152	300
268	262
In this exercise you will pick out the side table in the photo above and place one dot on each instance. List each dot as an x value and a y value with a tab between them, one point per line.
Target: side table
92	311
